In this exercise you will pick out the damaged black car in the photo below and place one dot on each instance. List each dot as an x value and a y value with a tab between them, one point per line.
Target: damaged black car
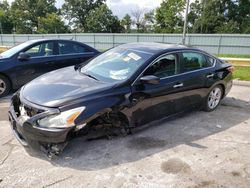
125	87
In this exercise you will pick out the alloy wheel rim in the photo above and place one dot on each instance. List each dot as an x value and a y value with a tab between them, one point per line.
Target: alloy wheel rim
214	98
2	86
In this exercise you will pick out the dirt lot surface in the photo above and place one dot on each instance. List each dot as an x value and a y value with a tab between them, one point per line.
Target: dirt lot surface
199	149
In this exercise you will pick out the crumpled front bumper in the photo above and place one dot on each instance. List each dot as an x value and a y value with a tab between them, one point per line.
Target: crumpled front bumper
28	134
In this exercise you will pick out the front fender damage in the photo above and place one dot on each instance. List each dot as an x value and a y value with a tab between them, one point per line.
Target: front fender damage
103	118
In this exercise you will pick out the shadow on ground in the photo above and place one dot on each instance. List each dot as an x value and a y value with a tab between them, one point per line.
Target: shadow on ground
153	138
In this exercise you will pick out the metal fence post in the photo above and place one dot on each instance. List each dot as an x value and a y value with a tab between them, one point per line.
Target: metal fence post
1	39
219	46
113	37
94	41
14	40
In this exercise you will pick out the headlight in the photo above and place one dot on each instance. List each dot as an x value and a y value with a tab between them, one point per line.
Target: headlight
62	120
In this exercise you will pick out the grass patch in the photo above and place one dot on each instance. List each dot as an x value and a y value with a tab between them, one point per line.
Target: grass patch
2	50
242	73
233	55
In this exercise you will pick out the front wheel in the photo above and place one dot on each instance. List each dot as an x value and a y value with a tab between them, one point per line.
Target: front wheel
5	86
213	99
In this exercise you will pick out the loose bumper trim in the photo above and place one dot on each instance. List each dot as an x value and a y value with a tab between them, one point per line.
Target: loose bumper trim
27	133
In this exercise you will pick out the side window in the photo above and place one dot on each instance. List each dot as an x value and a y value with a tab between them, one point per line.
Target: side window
164	67
44	49
193	61
210	61
70	48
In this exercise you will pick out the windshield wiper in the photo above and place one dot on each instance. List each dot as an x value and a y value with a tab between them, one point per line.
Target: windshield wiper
90	76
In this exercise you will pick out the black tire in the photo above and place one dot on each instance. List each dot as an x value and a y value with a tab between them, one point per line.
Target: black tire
5	86
213	98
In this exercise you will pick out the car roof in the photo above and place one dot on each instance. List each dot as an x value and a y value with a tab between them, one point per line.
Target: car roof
154	47
41	40
52	40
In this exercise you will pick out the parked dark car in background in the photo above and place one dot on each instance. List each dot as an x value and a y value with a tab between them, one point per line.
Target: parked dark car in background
123	88
33	58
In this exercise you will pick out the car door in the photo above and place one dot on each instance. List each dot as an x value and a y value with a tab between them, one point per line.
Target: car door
41	60
197	75
71	53
154	101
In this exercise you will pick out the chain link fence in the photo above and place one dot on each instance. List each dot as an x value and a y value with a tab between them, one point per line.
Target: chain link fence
213	43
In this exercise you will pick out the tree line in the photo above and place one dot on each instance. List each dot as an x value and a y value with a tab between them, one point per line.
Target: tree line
94	16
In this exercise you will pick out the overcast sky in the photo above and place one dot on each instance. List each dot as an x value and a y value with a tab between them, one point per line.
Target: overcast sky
121	7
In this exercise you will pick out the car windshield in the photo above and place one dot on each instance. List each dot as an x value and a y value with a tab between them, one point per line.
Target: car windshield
117	64
14	50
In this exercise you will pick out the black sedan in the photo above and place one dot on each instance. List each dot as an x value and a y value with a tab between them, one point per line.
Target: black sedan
31	59
123	88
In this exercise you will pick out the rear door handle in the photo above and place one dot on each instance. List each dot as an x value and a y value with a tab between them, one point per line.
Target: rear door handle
178	85
210	75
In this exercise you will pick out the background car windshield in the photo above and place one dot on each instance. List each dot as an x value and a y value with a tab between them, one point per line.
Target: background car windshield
116	64
14	50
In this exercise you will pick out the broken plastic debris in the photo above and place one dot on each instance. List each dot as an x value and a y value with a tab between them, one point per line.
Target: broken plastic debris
68	158
219	126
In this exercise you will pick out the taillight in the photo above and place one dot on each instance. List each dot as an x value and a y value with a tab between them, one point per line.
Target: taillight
231	69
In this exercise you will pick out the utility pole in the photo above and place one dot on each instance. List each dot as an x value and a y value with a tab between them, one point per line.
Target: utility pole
185	24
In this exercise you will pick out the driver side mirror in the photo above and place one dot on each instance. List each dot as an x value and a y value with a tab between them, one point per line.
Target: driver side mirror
23	56
150	79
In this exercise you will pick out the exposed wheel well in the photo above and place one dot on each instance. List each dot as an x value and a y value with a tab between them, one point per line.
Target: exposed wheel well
114	115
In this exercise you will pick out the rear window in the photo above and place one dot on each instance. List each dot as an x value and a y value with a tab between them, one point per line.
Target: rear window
70	48
210	61
195	61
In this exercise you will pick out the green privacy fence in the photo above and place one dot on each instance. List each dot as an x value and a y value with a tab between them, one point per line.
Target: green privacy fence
213	43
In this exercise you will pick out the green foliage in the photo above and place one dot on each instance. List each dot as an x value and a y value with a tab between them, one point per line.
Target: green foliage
102	20
6	23
234	55
52	23
26	13
242	73
219	16
149	20
76	12
209	18
205	16
169	16
143	20
126	23
228	27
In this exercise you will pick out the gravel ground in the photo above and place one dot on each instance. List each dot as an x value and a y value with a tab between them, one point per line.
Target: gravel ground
198	149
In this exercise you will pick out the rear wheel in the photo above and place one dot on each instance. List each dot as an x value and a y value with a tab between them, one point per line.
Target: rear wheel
5	86
213	99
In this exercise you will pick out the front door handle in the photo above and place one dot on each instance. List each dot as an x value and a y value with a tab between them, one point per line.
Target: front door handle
210	75
50	63
178	85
